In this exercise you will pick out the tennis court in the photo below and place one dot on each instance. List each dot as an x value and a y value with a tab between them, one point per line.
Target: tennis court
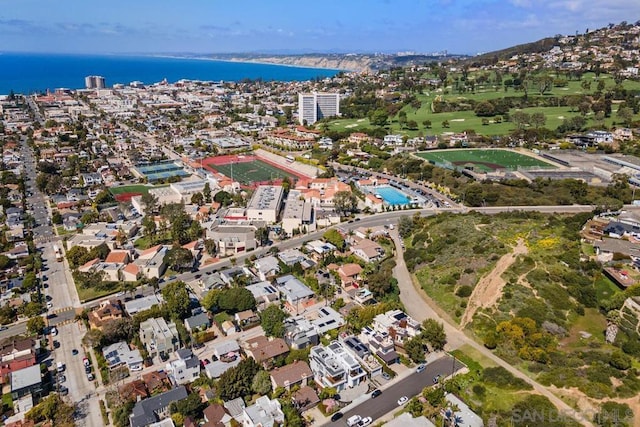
484	160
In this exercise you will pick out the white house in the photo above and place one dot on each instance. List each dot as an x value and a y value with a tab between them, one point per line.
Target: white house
185	369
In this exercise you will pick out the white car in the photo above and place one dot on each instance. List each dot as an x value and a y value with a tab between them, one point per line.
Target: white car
365	421
354	420
49	304
54	331
403	400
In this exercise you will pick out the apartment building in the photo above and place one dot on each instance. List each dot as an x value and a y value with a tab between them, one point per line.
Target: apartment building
159	337
334	366
317	105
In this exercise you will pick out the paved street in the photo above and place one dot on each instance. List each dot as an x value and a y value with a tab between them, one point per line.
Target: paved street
81	390
409	386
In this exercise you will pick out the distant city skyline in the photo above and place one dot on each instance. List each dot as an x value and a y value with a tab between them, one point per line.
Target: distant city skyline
285	26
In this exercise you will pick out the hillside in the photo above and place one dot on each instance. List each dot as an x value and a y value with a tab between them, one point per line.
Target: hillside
338	61
492	58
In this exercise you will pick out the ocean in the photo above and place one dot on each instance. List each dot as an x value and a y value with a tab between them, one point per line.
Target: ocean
32	72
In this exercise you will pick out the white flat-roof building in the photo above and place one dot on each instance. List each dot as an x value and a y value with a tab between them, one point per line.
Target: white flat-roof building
297	213
265	204
317	105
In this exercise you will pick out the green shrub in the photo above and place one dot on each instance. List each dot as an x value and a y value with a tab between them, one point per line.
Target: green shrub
464	291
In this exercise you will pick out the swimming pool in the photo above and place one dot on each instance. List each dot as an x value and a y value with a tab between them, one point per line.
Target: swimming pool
391	195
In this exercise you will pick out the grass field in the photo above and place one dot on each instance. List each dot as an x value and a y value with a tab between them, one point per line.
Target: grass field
459	121
485	160
135	188
249	172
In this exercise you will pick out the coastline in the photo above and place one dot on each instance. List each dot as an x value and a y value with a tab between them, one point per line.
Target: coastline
249	61
21	72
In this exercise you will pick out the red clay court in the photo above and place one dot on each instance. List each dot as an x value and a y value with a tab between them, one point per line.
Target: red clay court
249	170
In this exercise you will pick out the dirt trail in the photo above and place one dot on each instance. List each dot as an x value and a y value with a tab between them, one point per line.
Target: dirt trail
489	289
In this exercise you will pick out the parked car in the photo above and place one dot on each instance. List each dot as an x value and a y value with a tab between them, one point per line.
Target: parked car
376	393
420	367
436	379
336	416
63	391
354	420
403	400
74	352
365	422
90	376
384	374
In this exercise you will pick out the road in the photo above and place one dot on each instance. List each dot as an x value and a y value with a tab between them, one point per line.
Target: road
417	305
409	386
81	390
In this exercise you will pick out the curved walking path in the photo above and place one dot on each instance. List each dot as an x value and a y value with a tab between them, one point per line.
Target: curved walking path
416	303
488	291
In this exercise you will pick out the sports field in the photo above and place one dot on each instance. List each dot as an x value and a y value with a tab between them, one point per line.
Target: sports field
484	160
250	172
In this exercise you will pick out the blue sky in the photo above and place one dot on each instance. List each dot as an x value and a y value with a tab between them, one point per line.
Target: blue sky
202	26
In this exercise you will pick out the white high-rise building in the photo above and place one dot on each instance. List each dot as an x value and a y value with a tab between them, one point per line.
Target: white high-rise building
94	82
317	105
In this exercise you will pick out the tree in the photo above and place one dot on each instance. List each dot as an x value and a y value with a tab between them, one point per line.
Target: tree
345	202
176	299
433	333
210	300
625	114
103	197
4	262
210	246
445	124
379	118
192	406
334	237
53	409
35	325
56	218
236	299
93	338
150	203
33	308
286	184
237	381
118	330
150	227
223	198
485	109
262	235
261	383
521	119
206	192
77	256
427	124
538	119
544	83
272	320
197	199
179	258
415	349
30	281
